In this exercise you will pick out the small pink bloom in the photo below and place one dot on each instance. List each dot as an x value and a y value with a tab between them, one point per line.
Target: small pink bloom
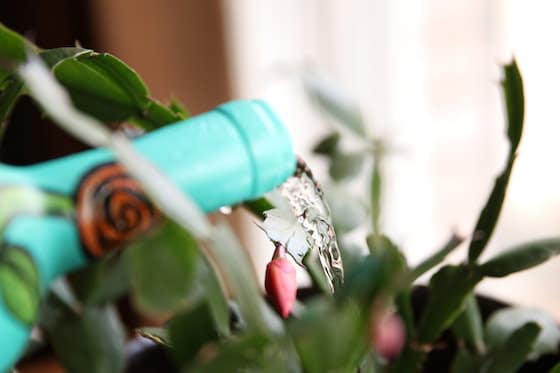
280	282
388	336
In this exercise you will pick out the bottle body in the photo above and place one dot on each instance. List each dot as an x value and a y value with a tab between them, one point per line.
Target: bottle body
84	205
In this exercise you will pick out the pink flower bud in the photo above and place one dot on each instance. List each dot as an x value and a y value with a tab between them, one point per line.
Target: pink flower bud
388	336
280	283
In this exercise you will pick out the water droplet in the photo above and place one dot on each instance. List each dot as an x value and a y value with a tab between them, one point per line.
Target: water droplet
226	210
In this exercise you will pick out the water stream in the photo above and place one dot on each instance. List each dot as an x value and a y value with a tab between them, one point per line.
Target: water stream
308	203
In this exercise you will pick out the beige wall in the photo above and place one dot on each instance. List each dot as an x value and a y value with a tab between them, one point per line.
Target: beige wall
176	45
426	74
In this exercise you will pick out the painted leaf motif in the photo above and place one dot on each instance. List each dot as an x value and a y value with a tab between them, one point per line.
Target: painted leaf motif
19	284
281	226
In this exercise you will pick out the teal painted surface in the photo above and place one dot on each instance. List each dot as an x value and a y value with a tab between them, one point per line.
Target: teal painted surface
53	243
13	338
235	152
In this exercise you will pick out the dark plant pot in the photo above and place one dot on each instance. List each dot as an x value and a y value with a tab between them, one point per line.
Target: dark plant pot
145	356
439	360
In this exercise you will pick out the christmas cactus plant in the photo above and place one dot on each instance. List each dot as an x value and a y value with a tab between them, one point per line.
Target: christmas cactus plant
187	288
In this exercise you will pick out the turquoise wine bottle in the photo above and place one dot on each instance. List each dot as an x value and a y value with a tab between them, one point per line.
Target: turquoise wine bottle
57	215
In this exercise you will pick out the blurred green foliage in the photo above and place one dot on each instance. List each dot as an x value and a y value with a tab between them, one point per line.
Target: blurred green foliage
217	319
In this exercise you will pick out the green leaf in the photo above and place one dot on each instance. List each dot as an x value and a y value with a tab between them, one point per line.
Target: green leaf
13	49
190	331
450	287
106	88
344	166
91	342
102	281
504	322
468	326
258	206
214	296
382	246
437	257
97	92
57	304
465	362
118	73
317	274
19	284
179	109
404	308
490	213
333	101
555	369
513	92
521	257
53	56
347	210
206	288
330	338
368	364
328	145
9	94
381	272
234	268
512	87
156	334
161	267
513	353
12	45
249	353
375	195
156	115
364	280
409	361
351	253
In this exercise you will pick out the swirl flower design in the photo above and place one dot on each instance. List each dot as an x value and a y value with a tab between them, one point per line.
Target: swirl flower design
111	209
